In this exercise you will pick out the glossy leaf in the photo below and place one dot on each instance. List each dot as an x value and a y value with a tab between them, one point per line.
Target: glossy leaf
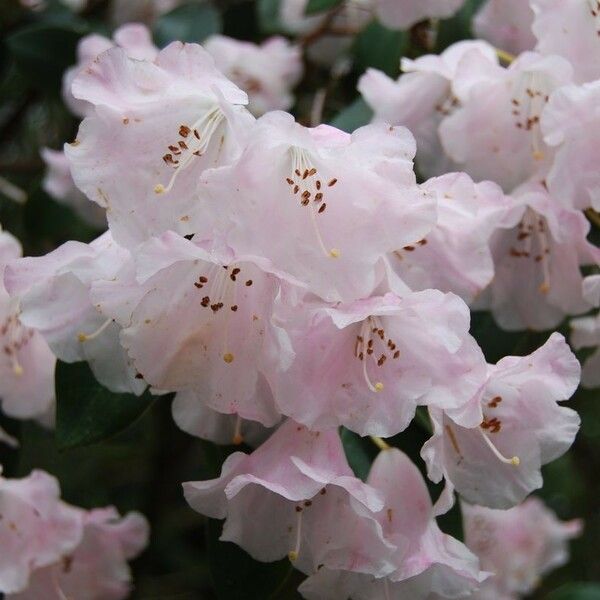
353	116
87	412
316	6
188	23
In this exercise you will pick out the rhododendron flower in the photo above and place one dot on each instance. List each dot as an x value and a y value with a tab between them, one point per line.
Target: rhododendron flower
405	13
538	281
367	365
350	16
53	292
518	545
495	133
59	184
299	488
192	415
570	28
498	462
585	333
571	123
422	97
428	563
267	73
36	528
321	206
455	256
192	321
156	127
133	38
506	24
97	568
26	364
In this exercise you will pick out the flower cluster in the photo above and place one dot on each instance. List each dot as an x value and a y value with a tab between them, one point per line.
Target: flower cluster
284	281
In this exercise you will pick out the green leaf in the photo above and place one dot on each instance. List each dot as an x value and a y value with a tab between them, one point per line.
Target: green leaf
458	27
268	15
576	591
358	452
237	576
316	6
188	23
380	48
353	116
42	52
86	411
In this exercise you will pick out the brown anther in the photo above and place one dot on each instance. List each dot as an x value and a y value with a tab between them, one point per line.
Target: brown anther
305	174
322	208
234	307
202	279
298	509
196	134
308	503
296	188
184	131
318	197
249	283
332	182
290	181
397	354
318	184
297	171
312	172
381	360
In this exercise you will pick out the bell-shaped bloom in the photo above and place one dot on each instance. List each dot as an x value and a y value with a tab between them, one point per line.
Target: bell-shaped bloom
266	72
194	322
192	415
36	528
538	279
571	123
404	14
59	184
321	206
369	364
422	97
296	496
428	563
585	333
53	293
498	462
506	24
325	49
570	29
26	363
97	568
518	546
133	38
495	133
455	256
156	126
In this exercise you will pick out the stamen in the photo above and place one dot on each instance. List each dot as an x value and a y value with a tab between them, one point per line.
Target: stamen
515	460
84	337
237	434
196	145
293	554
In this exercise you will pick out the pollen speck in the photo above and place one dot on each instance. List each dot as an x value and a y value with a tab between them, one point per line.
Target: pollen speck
228	357
335	253
292	555
379	386
159	188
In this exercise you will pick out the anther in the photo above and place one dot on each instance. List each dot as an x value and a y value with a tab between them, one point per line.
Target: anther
228	357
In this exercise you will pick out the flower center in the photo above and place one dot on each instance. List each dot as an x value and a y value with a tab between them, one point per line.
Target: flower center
193	141
310	190
372	346
491	426
530	95
219	287
15	337
533	242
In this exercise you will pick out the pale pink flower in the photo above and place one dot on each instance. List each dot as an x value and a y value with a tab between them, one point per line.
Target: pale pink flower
519	546
59	184
192	415
428	563
402	14
321	206
497	463
571	123
303	502
369	364
194	322
585	333
538	279
570	29
27	363
351	16
266	72
156	127
506	24
422	97
495	133
53	293
134	39
36	528
455	256
97	568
